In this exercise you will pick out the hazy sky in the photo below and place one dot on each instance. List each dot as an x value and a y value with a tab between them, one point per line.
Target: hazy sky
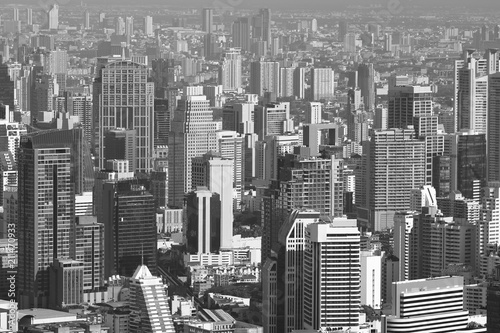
289	4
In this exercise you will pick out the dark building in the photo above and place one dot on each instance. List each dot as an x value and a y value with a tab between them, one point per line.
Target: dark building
493	304
162	122
366	82
129	219
6	90
470	165
119	144
343	29
203	231
163	75
441	175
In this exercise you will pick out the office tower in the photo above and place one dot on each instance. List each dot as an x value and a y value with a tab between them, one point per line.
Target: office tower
230	70
393	166
287	81
238	117
53	17
148	303
468	163
86	20
193	127
119	26
241	33
120	144
6	87
66	283
488	229
267	152
371	271
311	182
403	245
203	209
148	26
313	113
406	103
15	14
46	41
272	119
350	42
46	210
162	117
207	20
343	29
298	82
215	173
322	84
366	77
471	89
163	75
264	77
493	306
29	16
265	14
122	83
283	292
129	220
129	26
493	135
81	106
435	304
332	248
88	248
230	145
388	43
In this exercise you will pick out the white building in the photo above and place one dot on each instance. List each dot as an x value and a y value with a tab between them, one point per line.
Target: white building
230	70
371	271
313	113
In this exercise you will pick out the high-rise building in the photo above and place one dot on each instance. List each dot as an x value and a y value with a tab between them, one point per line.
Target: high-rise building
298	82
230	145
66	283
471	89
241	33
322	84
129	26
393	166
343	29
436	304
120	144
366	77
148	26
15	14
149	303
86	20
6	89
238	117
283	295
371	271
53	17
215	172
230	70
265	14
125	99
46	210
272	119
287	81
88	248
350	42
406	103
493	134
203	214
29	16
207	20
119	26
81	106
129	219
192	134
313	113
264	77
332	249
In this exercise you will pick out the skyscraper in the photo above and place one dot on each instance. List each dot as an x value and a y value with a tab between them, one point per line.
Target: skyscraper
366	82
230	70
350	42
207	20
46	210
203	221
129	220
313	113
272	119
407	104
148	26
322	84
343	29
493	135
264	77
241	33
119	26
332	249
29	16
86	20
129	26
120	144
265	13
148	303
125	99
393	166
192	135
53	17
215	173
